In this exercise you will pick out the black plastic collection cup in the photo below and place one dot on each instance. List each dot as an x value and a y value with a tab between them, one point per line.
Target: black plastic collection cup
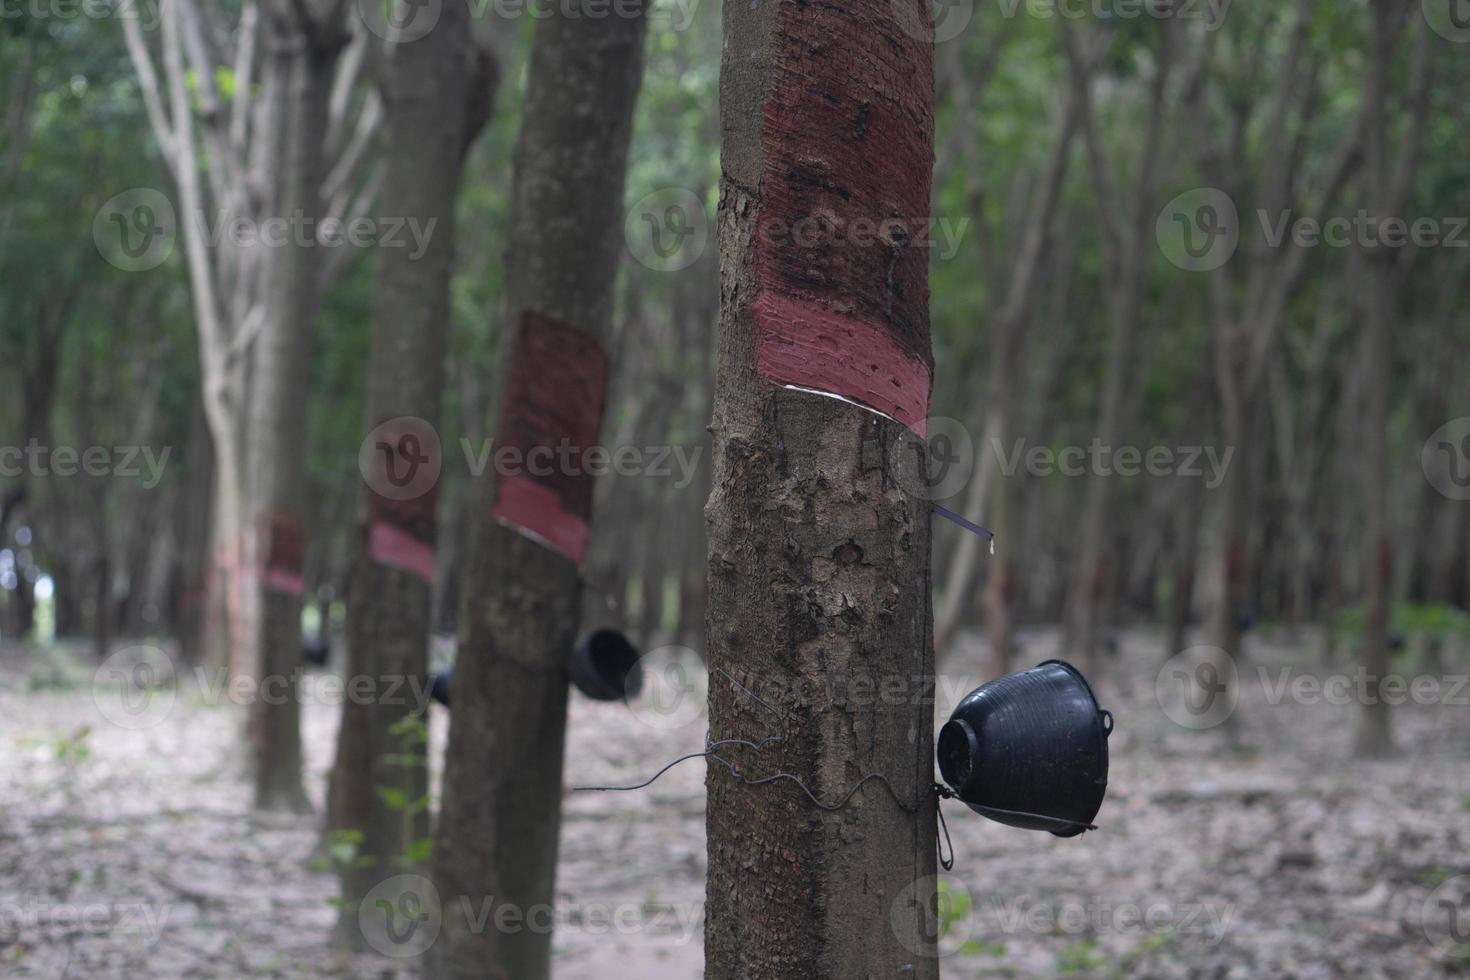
1030	750
439	685
604	667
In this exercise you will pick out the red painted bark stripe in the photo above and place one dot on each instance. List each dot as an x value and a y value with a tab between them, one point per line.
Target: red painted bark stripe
842	225
281	540
800	343
553	403
282	580
397	548
536	511
409	506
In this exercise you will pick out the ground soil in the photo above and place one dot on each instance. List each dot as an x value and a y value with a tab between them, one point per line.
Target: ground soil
1258	848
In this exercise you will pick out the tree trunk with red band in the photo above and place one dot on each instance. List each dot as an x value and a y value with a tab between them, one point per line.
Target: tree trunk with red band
437	91
501	811
550	416
819	559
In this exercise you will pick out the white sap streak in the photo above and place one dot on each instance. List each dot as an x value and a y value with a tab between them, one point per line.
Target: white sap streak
828	394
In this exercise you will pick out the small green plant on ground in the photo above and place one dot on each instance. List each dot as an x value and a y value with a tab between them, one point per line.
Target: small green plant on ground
412	732
1080	957
344	853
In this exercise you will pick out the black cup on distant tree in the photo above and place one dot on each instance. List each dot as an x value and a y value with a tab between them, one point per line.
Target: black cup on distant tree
604	667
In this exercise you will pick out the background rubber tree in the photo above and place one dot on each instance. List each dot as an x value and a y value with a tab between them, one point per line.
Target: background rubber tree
1387	184
233	89
1125	219
302	48
501	812
379	785
1301	169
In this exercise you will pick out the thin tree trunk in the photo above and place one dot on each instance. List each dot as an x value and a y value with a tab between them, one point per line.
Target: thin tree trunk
192	580
379	784
1379	315
1388	184
1229	610
224	151
282	370
501	811
1007	350
1127	242
1184	554
1246	335
1186	559
819	561
1000	589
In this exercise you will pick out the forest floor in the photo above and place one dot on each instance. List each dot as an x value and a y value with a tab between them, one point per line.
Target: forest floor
1255	849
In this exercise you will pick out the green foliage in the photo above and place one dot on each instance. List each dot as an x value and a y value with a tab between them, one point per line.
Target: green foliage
418	852
974	947
1080	957
1435	620
1434	877
954	907
344	852
72	749
90	355
51	679
412	733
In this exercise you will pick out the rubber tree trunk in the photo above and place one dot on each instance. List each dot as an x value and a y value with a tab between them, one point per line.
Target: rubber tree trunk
1373	738
501	811
1007	352
379	785
1001	587
189	601
1387	183
819	561
1232	569
1184	562
277	454
1093	575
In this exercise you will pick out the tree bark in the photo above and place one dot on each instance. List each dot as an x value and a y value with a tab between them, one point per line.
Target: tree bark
1184	562
224	151
819	560
303	54
1387	184
1008	340
1127	245
1246	333
501	811
379	785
